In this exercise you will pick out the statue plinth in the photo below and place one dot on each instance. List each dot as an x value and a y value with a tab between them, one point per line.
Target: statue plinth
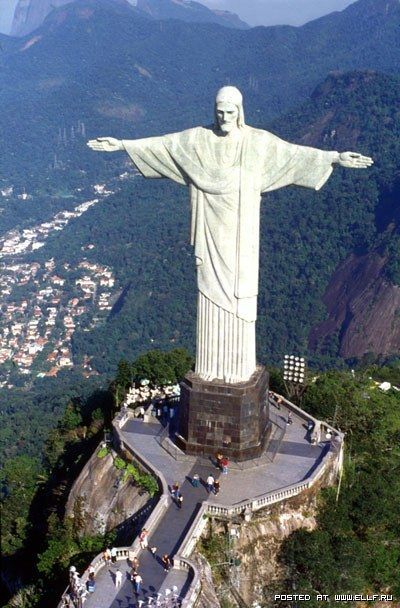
228	418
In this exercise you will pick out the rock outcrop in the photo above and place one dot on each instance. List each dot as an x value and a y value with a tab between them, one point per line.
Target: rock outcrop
363	309
257	546
260	542
101	499
30	14
208	597
190	11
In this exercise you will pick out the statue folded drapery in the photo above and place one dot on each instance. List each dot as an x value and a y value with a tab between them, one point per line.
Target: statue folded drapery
226	183
227	167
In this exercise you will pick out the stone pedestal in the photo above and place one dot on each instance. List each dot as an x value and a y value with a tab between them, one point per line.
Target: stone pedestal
227	418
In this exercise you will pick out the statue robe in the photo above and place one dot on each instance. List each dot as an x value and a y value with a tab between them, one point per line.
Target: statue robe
226	178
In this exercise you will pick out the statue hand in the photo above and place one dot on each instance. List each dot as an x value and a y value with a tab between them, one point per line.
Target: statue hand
105	144
353	160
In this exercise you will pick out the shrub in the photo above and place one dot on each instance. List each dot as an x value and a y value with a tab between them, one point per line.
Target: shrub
132	471
119	463
149	483
102	452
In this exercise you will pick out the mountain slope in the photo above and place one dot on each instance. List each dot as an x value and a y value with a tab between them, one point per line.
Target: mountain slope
363	306
142	233
119	71
188	10
30	14
356	111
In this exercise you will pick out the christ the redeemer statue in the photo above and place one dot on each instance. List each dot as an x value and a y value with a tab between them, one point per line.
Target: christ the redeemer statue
227	167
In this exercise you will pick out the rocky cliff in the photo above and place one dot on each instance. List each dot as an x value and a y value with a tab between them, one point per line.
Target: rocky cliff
30	14
363	309
102	500
257	548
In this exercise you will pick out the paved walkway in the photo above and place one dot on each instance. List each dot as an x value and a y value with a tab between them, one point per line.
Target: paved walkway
295	460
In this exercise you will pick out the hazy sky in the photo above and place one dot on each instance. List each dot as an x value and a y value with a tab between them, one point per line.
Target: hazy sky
255	12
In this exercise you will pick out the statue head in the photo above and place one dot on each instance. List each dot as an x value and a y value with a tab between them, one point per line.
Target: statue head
229	109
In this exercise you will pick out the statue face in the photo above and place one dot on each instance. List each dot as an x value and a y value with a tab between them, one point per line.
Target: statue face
227	116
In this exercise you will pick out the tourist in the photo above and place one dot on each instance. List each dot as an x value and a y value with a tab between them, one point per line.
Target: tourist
210	483
143	540
218	458
216	487
118	578
289	419
137	581
91	569
224	464
133	573
153	551
75	580
113	555
81	596
166	561
175	489
179	500
134	563
91	584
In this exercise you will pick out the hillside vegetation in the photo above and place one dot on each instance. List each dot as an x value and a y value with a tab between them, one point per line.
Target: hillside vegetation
355	548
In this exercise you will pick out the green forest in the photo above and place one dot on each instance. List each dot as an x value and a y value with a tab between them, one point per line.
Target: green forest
127	85
356	541
34	531
355	548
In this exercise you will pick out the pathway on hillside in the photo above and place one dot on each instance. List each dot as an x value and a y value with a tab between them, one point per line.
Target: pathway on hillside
295	461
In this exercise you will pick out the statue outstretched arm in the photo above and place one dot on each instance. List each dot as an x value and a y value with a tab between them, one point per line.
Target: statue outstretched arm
288	164
106	144
152	156
353	160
